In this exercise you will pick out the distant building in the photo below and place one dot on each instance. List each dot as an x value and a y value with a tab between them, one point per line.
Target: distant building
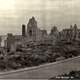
75	32
23	30
9	41
44	34
33	32
32	29
72	33
3	41
12	41
67	34
36	34
0	41
54	34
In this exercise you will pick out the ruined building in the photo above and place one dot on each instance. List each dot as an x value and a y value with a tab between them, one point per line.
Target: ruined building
72	33
54	32
33	32
54	35
23	30
9	42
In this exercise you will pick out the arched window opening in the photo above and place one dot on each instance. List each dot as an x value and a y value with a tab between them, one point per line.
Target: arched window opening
30	33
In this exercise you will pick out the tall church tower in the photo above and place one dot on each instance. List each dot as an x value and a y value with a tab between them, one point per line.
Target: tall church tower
32	29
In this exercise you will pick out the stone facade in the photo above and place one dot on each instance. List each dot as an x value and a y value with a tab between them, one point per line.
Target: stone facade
54	34
9	41
32	29
33	32
12	41
72	33
23	30
44	34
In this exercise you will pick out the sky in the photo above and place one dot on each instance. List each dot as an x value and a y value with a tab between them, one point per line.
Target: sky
61	13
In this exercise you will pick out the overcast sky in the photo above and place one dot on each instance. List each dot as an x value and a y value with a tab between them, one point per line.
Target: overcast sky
14	13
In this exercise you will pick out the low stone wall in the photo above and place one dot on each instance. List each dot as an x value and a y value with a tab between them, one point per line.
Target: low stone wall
44	71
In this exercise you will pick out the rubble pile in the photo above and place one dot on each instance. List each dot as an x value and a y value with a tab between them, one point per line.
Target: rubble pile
35	54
